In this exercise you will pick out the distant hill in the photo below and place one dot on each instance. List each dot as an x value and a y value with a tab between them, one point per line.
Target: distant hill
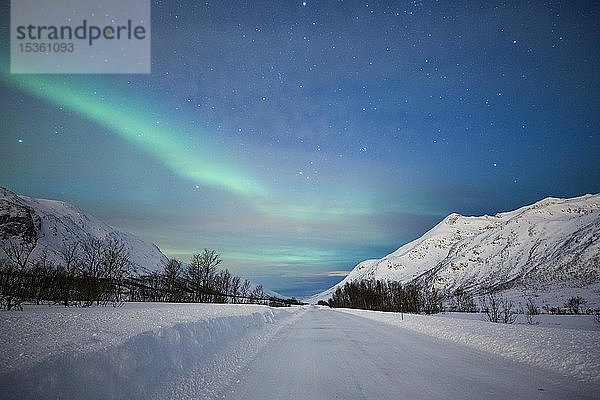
52	225
549	247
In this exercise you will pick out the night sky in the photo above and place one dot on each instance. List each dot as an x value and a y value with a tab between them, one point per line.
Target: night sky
300	138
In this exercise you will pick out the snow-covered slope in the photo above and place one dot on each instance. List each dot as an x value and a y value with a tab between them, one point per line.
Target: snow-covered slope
52	225
554	243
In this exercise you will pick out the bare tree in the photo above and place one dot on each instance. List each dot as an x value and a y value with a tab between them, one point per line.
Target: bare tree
257	294
531	311
245	289
222	286
92	258
18	252
172	281
14	266
42	278
209	261
117	265
103	268
235	288
431	302
70	255
509	314
194	276
463	301
71	264
201	272
575	305
153	287
497	308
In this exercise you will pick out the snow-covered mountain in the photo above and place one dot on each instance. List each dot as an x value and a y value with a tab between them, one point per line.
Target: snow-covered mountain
52	225
552	244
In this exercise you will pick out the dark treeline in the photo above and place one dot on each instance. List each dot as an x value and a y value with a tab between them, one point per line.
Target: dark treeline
100	272
200	281
387	296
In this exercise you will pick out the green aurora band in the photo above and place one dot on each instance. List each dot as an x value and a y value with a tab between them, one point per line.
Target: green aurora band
201	166
165	147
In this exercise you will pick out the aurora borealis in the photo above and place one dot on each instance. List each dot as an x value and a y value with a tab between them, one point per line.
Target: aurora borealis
300	138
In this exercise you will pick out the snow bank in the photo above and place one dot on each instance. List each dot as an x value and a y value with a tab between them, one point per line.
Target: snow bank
571	352
125	352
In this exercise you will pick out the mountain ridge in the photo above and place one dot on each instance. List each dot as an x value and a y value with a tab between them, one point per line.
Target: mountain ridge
551	244
53	224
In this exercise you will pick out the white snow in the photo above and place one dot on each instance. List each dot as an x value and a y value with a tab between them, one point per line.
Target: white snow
106	352
572	352
567	321
202	351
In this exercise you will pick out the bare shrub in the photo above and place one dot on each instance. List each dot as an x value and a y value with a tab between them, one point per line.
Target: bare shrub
498	309
14	263
531	312
462	301
575	305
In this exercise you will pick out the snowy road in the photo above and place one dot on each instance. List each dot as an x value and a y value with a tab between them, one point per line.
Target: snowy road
329	354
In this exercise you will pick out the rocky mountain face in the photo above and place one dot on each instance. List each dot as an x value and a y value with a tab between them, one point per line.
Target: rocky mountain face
548	246
17	219
51	226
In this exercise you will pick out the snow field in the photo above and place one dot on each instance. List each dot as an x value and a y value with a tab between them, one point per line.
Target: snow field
132	351
570	352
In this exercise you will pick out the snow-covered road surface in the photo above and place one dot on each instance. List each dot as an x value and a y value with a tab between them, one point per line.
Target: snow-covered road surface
328	354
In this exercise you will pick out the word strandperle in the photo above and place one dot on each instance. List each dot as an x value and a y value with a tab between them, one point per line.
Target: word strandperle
81	32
